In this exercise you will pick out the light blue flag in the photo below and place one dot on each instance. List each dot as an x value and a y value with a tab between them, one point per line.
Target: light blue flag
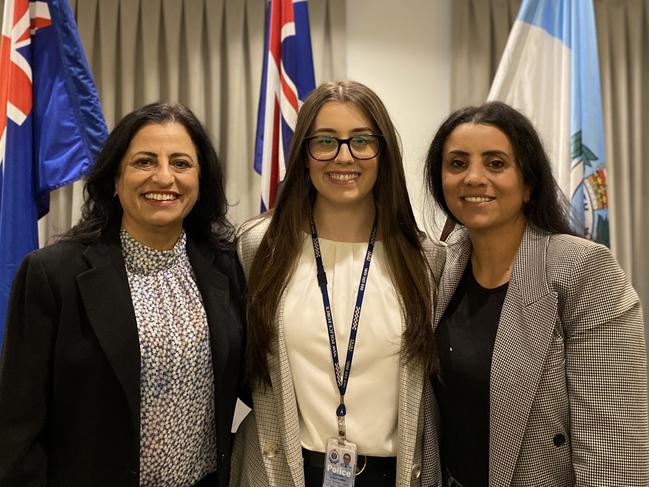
550	72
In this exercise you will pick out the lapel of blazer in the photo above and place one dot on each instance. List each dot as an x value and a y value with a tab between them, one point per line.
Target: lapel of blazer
275	409
106	297
458	251
214	288
524	334
282	382
411	384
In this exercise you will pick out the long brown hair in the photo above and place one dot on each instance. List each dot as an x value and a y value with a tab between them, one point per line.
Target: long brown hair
277	254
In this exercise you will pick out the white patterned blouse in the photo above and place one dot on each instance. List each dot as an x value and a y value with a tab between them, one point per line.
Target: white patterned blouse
177	424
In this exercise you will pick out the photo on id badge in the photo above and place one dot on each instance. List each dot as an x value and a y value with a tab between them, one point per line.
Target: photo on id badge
340	464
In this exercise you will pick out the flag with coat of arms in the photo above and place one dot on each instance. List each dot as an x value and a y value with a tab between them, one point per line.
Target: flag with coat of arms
51	124
287	79
550	71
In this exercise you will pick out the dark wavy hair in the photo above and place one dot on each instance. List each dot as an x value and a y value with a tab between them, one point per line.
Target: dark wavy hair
278	251
101	208
547	208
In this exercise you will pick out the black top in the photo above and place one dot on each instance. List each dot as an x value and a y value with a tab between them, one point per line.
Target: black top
465	339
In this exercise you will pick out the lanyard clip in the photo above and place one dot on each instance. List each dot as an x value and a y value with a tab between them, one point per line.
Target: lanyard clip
341	430
340	413
342	410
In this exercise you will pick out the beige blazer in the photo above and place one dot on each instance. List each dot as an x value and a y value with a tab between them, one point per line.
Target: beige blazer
568	375
267	449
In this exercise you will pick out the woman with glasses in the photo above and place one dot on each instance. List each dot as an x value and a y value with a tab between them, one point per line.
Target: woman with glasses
339	308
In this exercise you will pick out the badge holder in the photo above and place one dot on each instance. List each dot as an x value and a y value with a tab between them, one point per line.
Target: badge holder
340	463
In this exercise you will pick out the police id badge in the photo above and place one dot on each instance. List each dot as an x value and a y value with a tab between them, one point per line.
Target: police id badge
340	464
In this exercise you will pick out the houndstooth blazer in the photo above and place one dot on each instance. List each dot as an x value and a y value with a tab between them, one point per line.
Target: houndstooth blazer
267	450
568	375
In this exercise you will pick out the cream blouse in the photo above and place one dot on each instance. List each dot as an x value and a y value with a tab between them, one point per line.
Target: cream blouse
372	392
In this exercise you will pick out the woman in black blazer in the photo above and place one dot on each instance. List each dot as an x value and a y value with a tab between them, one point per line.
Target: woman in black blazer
123	351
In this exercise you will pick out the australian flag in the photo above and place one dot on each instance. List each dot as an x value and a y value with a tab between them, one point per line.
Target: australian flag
287	78
51	125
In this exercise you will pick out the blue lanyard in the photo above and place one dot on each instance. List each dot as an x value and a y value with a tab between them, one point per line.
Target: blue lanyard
342	379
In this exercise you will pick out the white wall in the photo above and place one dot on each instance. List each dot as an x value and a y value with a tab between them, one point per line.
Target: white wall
401	50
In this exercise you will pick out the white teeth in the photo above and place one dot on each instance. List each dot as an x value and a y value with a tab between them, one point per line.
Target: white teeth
160	196
343	176
477	199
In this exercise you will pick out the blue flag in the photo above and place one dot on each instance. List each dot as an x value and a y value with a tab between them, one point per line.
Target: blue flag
286	80
51	125
550	72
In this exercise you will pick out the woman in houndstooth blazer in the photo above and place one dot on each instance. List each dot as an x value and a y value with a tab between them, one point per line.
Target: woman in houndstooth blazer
542	357
344	174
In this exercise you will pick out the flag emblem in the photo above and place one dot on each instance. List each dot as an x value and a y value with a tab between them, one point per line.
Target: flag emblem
287	78
16	92
51	125
550	72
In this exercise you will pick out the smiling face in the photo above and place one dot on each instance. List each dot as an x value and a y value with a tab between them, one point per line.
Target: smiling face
482	183
344	180
158	182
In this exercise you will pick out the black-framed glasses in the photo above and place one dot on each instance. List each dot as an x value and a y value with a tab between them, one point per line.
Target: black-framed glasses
327	147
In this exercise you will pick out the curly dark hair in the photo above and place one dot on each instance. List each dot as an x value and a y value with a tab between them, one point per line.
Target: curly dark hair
101	209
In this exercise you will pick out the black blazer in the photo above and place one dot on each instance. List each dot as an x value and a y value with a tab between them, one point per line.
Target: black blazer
70	371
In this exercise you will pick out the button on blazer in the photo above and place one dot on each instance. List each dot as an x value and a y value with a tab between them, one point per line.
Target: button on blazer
568	391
